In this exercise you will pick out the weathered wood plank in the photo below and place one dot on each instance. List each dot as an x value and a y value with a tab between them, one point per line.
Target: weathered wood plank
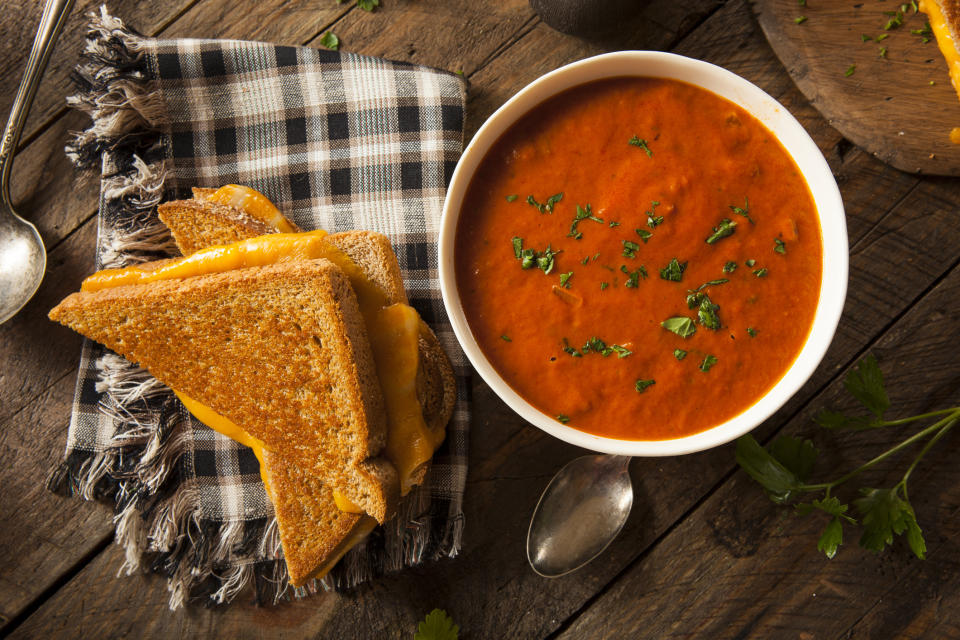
753	571
511	464
42	535
21	19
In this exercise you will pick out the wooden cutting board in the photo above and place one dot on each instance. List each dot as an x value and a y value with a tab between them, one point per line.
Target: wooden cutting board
887	104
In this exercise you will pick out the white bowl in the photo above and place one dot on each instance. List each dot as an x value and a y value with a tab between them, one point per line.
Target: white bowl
794	139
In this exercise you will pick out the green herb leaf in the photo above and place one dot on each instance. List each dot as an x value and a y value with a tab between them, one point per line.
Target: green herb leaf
518	247
679	354
707	314
565	279
641	385
630	249
796	454
730	267
604	285
680	325
583	213
330	40
708	363
851	68
633	277
745	211
779	246
528	259
562	418
886	514
761	273
882	37
546	207
512	197
865	383
644	234
545	260
722	230
751	332
831	538
368	5
800	19
639	142
437	625
653	220
571	350
613	224
750	262
780	483
865	38
506	338
673	271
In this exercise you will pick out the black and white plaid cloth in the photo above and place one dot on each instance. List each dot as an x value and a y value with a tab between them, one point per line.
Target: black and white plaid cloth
337	141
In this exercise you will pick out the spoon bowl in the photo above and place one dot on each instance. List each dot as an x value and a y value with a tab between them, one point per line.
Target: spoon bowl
579	514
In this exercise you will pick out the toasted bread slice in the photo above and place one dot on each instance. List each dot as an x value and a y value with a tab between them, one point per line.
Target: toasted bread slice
944	19
199	223
281	350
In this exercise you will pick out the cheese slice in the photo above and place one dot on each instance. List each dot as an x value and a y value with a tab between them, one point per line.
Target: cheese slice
253	203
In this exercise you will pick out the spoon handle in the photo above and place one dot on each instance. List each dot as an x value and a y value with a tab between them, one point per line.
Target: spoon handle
54	15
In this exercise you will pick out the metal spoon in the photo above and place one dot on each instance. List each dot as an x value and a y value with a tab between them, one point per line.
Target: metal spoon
579	514
23	259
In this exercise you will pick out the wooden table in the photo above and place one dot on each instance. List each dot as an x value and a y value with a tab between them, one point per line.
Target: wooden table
705	553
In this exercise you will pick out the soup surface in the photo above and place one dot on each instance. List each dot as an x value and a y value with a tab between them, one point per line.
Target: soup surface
639	258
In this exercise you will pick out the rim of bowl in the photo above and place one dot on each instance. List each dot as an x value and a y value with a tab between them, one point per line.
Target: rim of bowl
792	137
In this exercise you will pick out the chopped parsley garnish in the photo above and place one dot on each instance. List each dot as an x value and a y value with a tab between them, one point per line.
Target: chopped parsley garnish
745	211
730	267
506	338
653	220
679	354
673	271
925	34
800	19
882	37
850	70
546	207
604	285
722	230
630	249
883	52
571	350
583	213
896	19
708	362
680	325
779	246
707	313
530	258
565	279
368	5
641	385
865	38
751	332
512	197
596	345
750	262
613	224
644	234
585	260
633	277
640	142
562	418
761	273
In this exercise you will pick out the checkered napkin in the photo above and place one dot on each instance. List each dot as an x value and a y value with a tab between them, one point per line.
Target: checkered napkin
337	141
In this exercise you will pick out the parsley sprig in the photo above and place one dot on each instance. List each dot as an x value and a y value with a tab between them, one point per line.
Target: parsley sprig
784	467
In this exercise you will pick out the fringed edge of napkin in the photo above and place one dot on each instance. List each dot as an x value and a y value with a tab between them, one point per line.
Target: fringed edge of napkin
158	521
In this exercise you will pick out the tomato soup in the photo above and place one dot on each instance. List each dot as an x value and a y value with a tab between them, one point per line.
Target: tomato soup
639	258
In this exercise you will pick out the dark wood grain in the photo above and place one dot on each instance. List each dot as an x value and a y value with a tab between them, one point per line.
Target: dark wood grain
704	554
899	106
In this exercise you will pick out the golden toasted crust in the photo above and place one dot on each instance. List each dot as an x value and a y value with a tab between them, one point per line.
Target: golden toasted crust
373	253
951	12
281	350
196	224
313	531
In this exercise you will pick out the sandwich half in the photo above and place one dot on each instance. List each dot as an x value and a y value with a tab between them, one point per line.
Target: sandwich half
944	19
288	305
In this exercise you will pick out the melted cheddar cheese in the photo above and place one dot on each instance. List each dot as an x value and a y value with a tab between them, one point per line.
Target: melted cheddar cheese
948	47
